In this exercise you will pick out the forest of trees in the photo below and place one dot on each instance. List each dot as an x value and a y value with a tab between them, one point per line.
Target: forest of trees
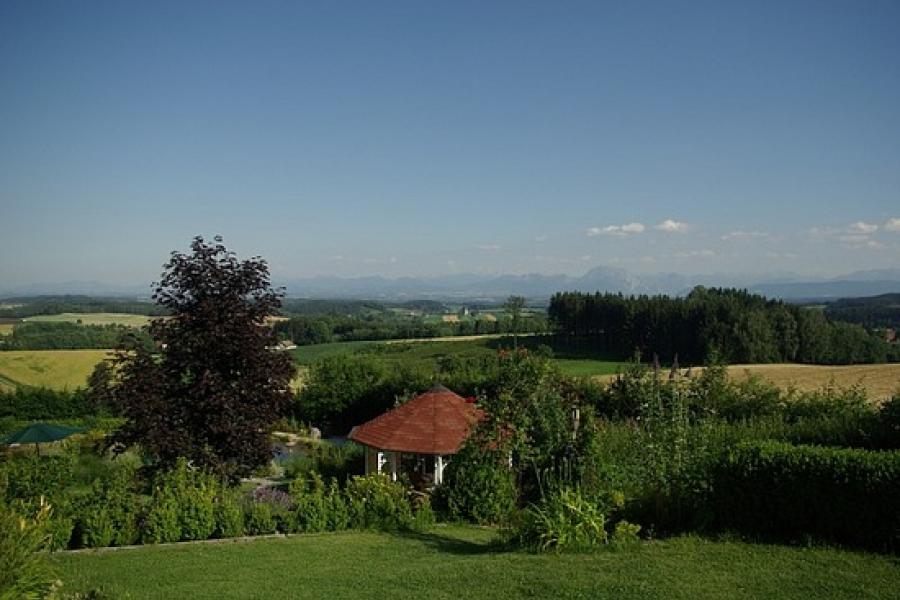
20	308
321	329
67	336
734	325
872	312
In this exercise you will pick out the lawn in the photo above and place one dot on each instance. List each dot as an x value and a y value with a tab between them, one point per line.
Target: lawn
94	319
464	562
56	369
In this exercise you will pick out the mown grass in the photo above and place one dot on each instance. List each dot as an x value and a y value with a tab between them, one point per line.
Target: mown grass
94	319
57	369
465	562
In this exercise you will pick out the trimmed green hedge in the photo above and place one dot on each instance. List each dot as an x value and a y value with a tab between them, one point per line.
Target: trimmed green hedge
838	495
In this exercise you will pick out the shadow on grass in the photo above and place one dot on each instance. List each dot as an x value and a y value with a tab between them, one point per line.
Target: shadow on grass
453	545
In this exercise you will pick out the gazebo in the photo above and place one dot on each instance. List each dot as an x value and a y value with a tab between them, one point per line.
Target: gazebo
419	436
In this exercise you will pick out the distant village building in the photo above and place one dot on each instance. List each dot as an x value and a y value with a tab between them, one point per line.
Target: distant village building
418	438
283	345
890	335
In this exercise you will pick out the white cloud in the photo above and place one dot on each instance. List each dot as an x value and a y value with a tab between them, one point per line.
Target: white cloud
617	230
744	235
541	238
820	232
854	238
705	253
892	224
672	226
585	257
861	227
781	256
489	247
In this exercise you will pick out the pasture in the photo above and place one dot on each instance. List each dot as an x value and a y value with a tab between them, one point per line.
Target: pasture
128	320
57	369
6	328
572	361
467	562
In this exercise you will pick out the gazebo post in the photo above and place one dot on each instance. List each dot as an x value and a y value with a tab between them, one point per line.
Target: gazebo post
395	467
438	469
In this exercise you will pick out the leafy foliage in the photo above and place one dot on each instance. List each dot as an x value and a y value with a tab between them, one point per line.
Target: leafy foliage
737	326
67	336
842	495
24	572
214	389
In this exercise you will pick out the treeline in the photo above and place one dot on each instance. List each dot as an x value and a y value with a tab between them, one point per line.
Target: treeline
731	325
53	305
67	336
323	329
873	312
319	306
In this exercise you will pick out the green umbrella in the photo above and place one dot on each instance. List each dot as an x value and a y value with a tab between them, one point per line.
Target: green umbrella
39	433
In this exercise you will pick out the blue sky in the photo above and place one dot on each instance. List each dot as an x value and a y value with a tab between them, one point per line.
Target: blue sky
424	138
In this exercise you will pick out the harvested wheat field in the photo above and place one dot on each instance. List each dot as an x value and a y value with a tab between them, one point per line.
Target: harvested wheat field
881	381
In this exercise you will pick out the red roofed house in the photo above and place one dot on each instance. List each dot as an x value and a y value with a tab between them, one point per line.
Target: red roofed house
417	437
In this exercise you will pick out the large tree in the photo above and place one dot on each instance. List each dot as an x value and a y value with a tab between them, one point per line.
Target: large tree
213	387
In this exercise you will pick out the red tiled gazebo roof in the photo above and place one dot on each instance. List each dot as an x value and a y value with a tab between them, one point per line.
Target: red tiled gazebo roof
436	422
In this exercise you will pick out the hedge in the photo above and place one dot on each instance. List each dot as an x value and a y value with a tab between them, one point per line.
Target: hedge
839	495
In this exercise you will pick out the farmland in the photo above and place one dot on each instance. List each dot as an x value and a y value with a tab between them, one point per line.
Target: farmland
880	381
128	320
465	562
57	369
70	368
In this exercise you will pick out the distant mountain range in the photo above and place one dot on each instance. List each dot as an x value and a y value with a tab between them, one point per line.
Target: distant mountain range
535	287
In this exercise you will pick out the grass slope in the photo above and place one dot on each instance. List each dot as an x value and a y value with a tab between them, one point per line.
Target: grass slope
56	369
462	562
94	319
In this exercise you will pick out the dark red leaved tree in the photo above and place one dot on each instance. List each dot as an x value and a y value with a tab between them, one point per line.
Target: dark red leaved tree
213	388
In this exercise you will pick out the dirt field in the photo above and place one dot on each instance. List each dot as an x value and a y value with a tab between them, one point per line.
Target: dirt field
881	381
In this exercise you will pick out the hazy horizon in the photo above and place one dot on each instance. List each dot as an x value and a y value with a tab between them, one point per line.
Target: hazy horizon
404	139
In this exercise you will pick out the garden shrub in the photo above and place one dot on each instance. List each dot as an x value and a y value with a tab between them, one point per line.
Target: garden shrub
280	506
31	477
229	515
328	460
183	505
108	515
478	486
847	496
311	503
24	572
337	509
563	520
376	502
260	519
161	523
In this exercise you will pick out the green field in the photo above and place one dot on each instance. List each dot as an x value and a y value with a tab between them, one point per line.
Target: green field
57	369
6	328
93	319
572	362
307	355
464	562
